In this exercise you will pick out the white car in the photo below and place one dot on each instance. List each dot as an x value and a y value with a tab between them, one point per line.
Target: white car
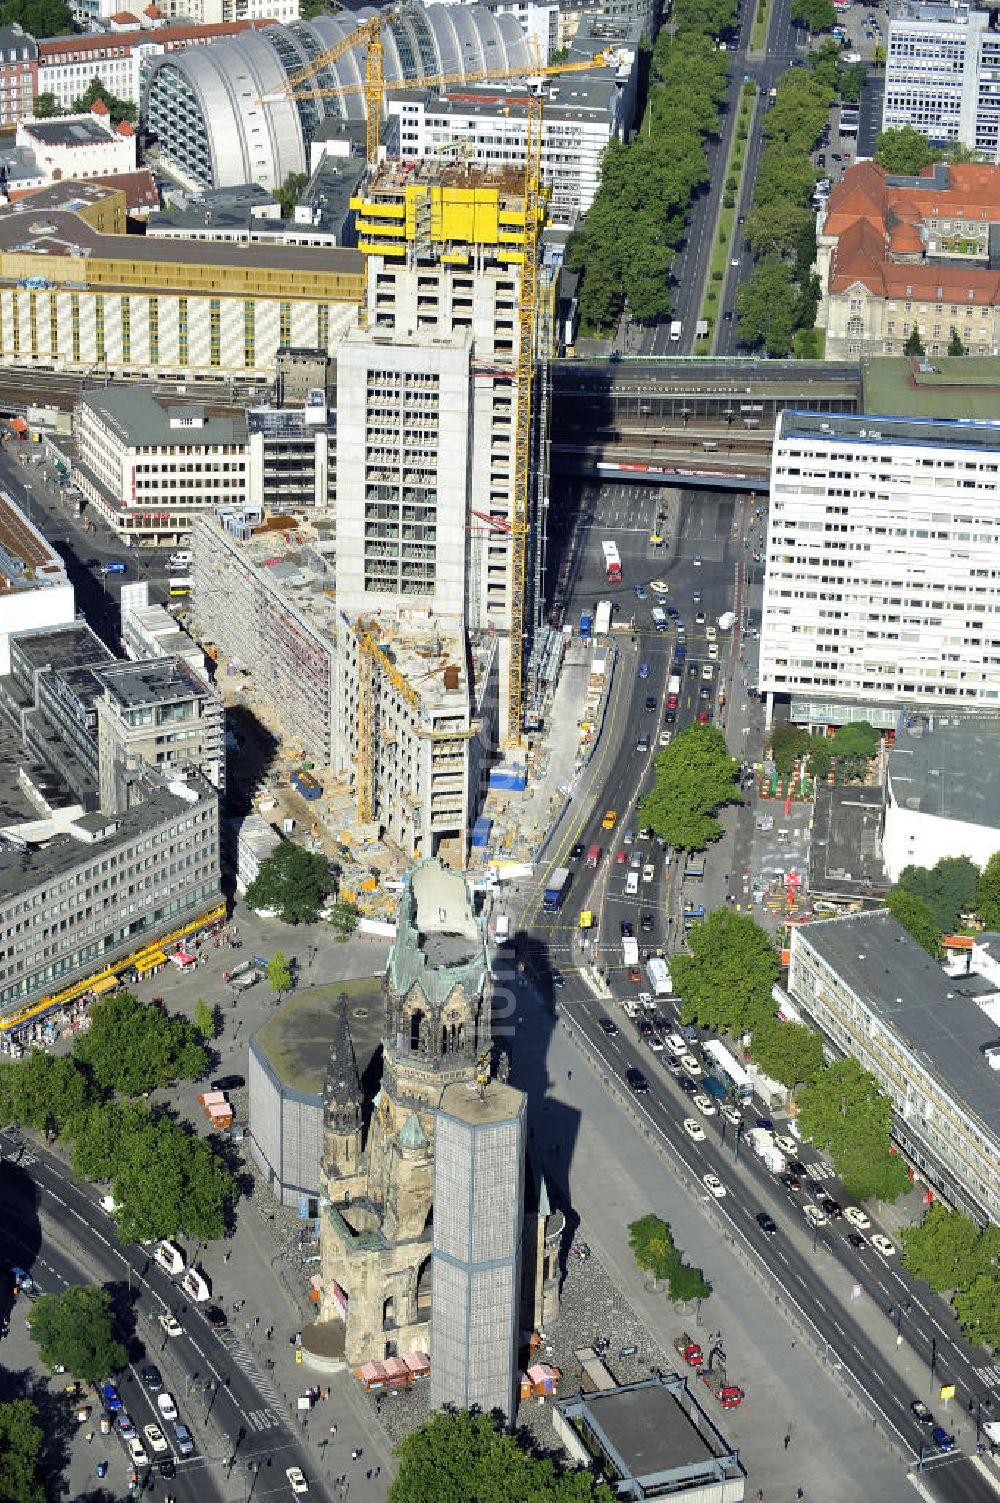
165	1404
296	1480
694	1129
856	1216
155	1439
814	1215
732	1114
788	1145
171	1325
705	1104
711	635
707	671
137	1451
659	587
645	999
666	737
675	1044
713	651
713	1185
882	1244
691	1065
655	1043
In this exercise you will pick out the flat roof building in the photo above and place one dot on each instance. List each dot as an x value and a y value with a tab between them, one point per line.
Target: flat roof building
34	586
939	68
942	795
157	715
880	998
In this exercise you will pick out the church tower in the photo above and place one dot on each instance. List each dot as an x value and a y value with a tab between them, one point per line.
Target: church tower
341	1111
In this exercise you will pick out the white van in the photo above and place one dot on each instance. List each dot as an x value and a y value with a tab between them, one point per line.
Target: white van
181	560
632	885
659	618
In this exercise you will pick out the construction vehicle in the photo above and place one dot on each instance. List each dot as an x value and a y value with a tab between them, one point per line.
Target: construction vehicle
689	1350
729	1395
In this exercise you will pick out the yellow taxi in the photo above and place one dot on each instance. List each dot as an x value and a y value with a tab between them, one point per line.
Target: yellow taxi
610	820
586	919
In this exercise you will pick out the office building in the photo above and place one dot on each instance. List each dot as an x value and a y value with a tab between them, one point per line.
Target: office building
925	1036
291	457
896	255
941	74
79	146
34	587
479	1149
942	794
156	715
149	468
211	135
151	310
883	547
18	64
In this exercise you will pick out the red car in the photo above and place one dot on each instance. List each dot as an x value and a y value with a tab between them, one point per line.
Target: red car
702	717
620	859
634	974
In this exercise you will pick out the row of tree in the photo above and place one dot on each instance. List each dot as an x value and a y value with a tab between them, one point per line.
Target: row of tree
851	748
22	1479
695	777
625	248
932	901
165	1178
960	1259
47	105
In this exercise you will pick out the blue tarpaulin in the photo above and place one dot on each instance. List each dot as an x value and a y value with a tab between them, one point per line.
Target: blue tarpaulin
481	830
511	778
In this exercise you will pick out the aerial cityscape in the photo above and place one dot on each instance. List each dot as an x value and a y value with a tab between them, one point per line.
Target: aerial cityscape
499	751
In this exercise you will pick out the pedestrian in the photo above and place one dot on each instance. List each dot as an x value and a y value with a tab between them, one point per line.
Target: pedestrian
788	1441
90	1436
256	1320
368	1474
377	1470
333	1431
354	1455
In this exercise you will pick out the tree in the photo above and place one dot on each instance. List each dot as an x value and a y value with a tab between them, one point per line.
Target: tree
21	1480
203	1020
45	1091
695	776
948	888
843	1112
75	1330
344	919
978	1308
45	106
290	192
816	15
903	152
914	344
789	1052
852	81
294	882
466	1455
947	1249
134	1046
118	109
654	1250
726	981
168	1183
104	1138
765	308
820	758
42	18
955	345
988	892
279	973
916	917
788	744
854	745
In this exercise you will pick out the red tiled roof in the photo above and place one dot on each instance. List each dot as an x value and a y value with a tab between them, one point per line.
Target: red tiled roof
123	17
125	128
52	49
139	188
99	108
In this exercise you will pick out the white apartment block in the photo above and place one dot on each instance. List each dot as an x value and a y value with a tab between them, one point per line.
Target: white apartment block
942	74
150	469
883	561
120	59
404	458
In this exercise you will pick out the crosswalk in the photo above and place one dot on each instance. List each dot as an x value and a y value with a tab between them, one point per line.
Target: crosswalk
989	1374
260	1419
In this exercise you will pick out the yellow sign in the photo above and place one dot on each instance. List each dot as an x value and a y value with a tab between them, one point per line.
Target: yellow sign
947	1391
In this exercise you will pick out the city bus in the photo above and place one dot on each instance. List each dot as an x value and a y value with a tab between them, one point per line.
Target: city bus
179	587
729	1070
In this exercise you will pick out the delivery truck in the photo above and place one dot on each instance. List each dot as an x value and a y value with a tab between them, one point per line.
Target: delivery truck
555	890
630	950
602	618
659	976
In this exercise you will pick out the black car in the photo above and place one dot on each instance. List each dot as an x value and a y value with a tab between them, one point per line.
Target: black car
558	979
687	1085
922	1414
692	670
791	1182
796	1166
168	1468
816	1187
857	1241
608	1027
637	1081
650	702
152	1378
833	1208
767	1223
670	717
728	315
576	852
228	1083
216	1317
628	931
646	923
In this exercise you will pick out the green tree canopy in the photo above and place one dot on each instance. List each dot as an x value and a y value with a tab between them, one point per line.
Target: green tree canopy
45	1090
344	918
169	1182
978	1308
955	345
726	981
765	308
852	81
75	1330
695	776
914	344
103	1140
134	1046
279	973
788	743
45	106
904	153
118	109
817	15
948	888
948	1249
854	745
654	1250
988	892
42	18
290	192
789	1052
842	1111
466	1456
203	1020
917	918
21	1479
294	882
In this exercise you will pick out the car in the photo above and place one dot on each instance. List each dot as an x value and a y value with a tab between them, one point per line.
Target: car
171	1325
702	717
767	1223
637	1082
650	703
182	1435
642	744
814	1215
165	1404
138	1453
636	861
704	692
690	1063
649	872
216	1317
704	1103
123	1422
713	652
621	857
155	1439
634	975
646	923
711	635
659	586
627	929
655	1042
882	1244
610	819
576	852
796	1166
296	1480
629	837
666	737
788	1146
101	1469
821	159
643	670
680	628
168	1468
111	1397
151	1377
734	261
765	1123
816	1187
836	156
857	1241
692	670
697	560
922	1414
113	566
670	717
687	1085
732	1114
645	999
713	1185
832	1207
228	1083
728	316
694	1129
699	619
856	1216
791	1182
942	1439
608	1027
673	612
640	592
